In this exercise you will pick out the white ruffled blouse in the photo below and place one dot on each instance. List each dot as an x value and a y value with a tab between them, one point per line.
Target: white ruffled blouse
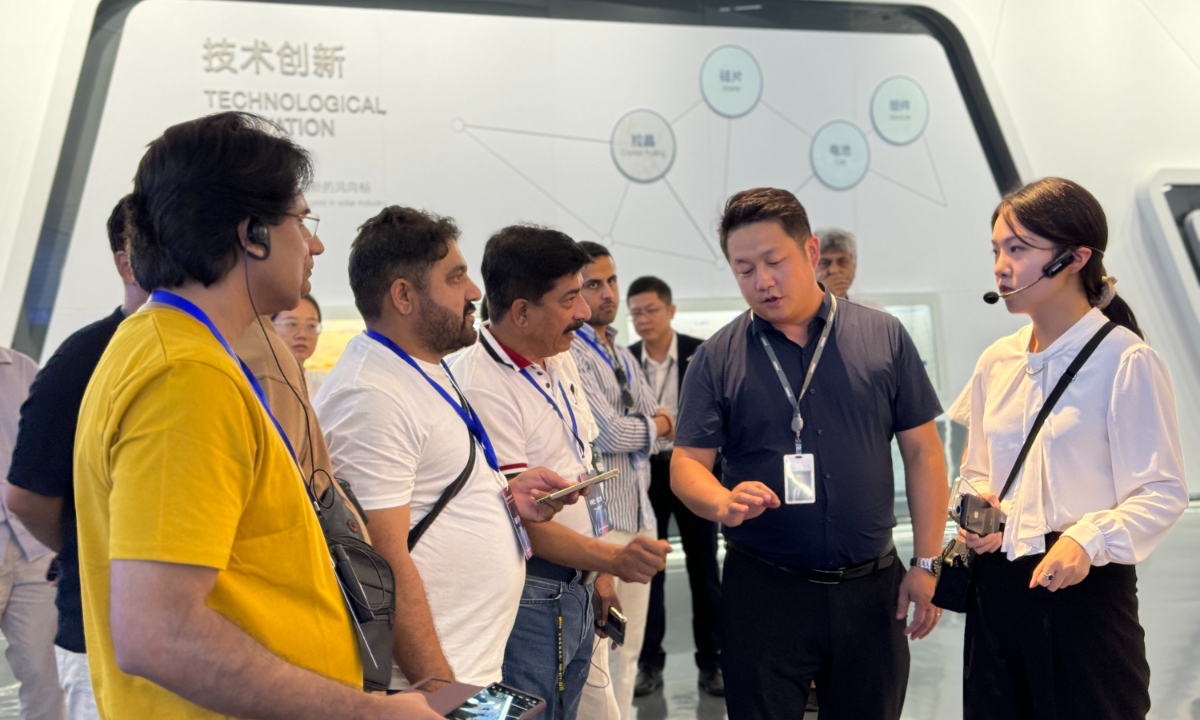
1106	468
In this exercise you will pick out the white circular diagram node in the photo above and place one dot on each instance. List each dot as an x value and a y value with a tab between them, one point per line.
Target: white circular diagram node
643	146
840	155
899	110
731	81
458	125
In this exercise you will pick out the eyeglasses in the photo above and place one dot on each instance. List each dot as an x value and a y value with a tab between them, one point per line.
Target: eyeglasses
294	326
646	312
310	222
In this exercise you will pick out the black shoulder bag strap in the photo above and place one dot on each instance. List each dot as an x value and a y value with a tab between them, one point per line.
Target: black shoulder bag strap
1048	405
454	488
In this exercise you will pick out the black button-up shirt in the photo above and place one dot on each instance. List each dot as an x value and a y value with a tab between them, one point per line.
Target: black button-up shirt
869	384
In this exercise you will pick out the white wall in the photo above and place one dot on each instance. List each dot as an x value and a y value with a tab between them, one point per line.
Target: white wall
41	50
1101	91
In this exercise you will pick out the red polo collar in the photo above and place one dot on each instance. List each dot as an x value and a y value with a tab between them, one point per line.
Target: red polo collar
517	358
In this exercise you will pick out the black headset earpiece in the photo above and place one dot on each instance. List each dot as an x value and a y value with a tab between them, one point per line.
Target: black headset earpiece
257	234
1057	265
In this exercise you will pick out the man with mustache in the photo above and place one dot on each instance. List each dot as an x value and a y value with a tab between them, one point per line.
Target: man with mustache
420	460
524	383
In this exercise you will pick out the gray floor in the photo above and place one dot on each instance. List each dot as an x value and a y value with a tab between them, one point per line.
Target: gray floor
1169	592
1169	588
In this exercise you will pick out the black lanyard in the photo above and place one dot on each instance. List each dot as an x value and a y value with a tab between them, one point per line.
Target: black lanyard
797	421
666	371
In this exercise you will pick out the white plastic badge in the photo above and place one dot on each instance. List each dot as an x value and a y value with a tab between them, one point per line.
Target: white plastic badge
799	485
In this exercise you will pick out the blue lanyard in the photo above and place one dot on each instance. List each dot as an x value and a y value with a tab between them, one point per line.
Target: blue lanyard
179	303
574	424
611	361
468	415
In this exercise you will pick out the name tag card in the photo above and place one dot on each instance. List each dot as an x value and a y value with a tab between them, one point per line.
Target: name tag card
799	484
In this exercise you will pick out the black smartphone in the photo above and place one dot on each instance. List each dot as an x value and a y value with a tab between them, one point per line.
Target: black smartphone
614	626
976	515
498	702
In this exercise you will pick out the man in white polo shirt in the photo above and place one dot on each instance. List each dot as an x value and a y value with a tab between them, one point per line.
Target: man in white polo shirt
522	381
419	459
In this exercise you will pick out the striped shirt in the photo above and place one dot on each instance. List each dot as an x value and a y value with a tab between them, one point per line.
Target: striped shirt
627	437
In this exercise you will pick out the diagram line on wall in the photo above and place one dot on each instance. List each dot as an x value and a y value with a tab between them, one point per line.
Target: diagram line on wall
620	205
690	218
684	114
785	118
936	175
663	252
535	133
800	187
537	187
898	184
728	144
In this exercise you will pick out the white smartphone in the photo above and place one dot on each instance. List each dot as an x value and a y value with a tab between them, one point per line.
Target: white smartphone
593	480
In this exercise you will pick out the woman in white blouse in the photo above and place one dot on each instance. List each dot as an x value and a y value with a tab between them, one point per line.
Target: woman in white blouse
1052	622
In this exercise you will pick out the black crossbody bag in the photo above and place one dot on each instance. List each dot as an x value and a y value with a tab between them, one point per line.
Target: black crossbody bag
368	581
958	560
367	577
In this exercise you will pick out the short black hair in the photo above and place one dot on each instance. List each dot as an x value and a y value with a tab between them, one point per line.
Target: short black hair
117	220
196	183
761	204
399	242
524	262
649	283
594	249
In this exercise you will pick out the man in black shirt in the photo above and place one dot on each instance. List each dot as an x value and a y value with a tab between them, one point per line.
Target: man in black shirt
41	480
802	395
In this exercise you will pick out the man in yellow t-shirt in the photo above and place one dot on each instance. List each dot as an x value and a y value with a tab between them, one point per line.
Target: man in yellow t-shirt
207	585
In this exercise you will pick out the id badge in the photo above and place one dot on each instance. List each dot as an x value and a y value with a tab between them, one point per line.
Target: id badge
598	512
799	483
514	516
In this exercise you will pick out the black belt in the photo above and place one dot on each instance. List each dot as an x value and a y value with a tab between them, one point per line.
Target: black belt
550	571
825	577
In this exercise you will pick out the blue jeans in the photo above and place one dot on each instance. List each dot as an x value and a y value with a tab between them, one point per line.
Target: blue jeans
532	658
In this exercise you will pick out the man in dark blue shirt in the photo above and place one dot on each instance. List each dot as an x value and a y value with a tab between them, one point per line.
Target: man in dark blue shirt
802	395
41	480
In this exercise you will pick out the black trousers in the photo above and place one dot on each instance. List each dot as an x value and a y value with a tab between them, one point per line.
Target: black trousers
782	632
1078	652
699	538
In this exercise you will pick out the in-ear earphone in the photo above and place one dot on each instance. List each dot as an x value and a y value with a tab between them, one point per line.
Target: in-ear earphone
257	234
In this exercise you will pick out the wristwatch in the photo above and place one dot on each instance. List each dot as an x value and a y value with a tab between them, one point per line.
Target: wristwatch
931	565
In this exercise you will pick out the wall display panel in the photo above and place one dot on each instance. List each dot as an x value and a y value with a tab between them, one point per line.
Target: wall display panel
629	134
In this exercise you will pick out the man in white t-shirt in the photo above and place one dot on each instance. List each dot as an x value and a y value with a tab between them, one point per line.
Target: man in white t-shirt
524	384
400	433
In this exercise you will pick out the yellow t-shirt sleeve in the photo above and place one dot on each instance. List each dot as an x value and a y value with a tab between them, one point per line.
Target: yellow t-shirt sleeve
182	467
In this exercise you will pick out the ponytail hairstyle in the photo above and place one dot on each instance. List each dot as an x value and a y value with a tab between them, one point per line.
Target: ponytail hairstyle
1070	217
